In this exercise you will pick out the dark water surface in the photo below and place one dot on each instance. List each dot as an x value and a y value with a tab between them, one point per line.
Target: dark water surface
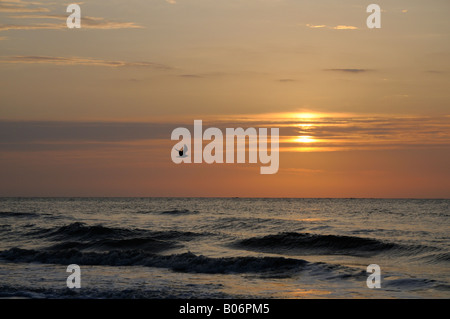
224	248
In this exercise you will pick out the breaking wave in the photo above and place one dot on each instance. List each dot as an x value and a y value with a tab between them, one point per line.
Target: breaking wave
81	231
186	262
313	243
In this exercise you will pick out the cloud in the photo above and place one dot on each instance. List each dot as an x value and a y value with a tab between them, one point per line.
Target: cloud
171	1
286	80
192	76
345	27
32	59
71	131
86	23
348	70
42	26
328	133
201	75
31	12
312	26
338	27
101	23
3	38
15	6
19	9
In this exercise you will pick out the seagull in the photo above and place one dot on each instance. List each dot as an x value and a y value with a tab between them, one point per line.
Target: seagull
182	151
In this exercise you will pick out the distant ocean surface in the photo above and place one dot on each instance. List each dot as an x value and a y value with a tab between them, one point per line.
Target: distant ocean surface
224	248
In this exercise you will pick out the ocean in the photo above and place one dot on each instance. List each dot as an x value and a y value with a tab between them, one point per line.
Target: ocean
159	248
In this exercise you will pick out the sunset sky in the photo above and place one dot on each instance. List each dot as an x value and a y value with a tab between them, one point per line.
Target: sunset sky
89	112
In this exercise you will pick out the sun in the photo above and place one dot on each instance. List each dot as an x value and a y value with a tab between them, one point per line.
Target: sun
304	139
305	115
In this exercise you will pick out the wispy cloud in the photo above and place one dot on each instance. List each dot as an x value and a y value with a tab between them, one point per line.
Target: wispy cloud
338	27
68	131
285	80
15	6
345	27
190	76
78	61
28	13
313	26
329	132
349	70
86	23
42	26
201	75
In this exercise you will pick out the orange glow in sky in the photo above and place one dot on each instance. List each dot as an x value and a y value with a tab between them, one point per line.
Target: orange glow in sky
361	112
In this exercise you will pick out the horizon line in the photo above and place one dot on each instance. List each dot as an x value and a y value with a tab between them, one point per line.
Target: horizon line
227	197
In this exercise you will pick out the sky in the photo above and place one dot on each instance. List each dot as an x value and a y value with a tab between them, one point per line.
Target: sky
89	112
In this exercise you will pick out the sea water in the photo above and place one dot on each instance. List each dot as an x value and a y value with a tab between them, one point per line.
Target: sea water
224	247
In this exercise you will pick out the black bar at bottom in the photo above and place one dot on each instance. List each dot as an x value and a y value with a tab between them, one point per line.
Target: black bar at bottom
221	308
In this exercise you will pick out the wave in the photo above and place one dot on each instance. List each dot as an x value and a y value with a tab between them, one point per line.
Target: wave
33	292
146	244
439	257
168	212
409	283
18	214
81	231
186	262
290	242
175	234
252	223
178	212
445	257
